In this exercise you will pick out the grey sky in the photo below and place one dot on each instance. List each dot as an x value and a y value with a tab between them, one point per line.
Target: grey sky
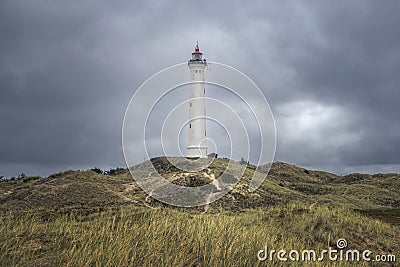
329	69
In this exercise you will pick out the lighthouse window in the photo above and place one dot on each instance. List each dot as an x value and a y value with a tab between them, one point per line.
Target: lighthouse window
190	104
190	125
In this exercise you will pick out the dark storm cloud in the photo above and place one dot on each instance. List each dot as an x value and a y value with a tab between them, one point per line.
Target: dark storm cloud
67	72
59	91
353	65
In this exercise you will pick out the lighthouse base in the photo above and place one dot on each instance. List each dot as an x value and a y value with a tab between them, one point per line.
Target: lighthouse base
196	152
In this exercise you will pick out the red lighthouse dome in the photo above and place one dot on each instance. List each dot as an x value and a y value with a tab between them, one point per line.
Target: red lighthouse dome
197	56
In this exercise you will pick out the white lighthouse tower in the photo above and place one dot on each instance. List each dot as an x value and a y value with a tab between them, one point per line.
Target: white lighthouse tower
197	145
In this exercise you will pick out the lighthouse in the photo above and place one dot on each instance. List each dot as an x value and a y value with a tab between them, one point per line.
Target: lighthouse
197	143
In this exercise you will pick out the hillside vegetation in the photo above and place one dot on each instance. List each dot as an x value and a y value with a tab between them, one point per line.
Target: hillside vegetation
85	218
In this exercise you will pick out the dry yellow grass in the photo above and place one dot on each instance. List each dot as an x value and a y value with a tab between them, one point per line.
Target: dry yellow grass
133	236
